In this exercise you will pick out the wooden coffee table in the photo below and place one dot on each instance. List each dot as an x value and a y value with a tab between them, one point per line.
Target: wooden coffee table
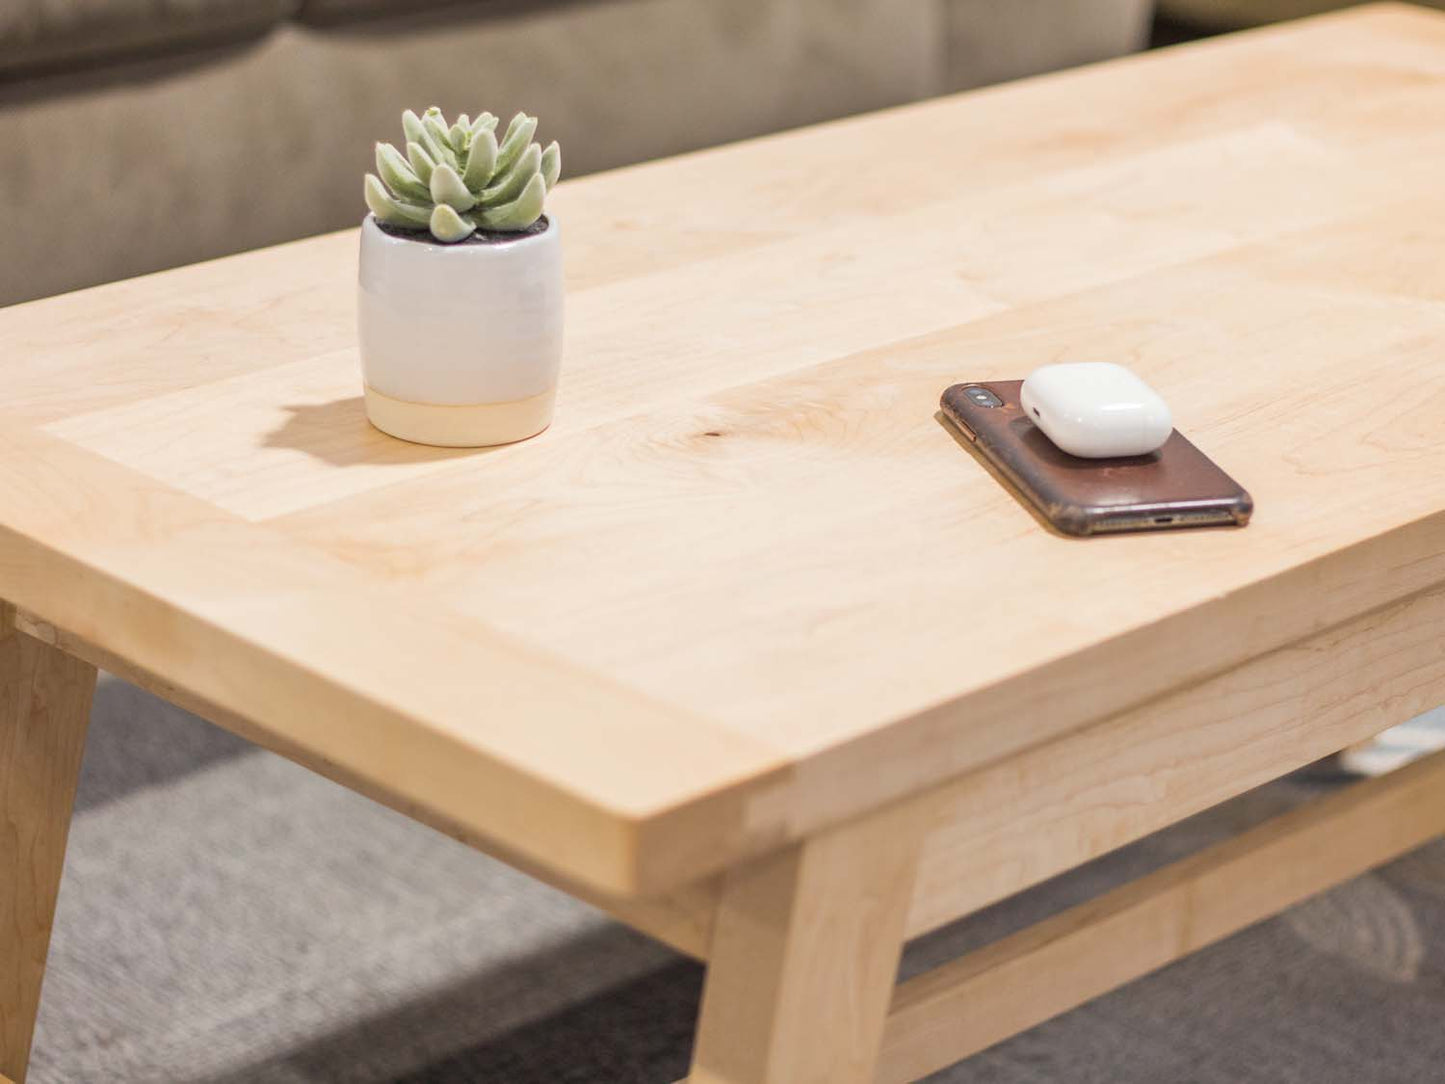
746	649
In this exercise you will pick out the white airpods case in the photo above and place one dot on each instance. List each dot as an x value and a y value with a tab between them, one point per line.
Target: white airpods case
1096	409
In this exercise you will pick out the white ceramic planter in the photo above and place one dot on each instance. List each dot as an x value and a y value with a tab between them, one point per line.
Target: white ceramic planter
460	344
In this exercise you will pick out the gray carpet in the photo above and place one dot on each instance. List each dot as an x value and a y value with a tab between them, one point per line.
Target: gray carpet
227	917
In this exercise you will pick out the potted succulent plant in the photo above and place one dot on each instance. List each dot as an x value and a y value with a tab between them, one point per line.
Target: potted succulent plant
460	302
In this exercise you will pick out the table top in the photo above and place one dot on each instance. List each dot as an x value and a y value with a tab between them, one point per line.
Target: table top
747	584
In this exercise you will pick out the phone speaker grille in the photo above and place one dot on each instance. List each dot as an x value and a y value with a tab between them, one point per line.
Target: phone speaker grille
1208	517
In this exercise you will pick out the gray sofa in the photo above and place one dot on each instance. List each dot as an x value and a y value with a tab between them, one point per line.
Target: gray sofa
142	134
1217	15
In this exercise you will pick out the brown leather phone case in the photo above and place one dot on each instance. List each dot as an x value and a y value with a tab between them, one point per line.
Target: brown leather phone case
1177	486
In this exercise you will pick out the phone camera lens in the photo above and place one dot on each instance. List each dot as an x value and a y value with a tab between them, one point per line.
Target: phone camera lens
982	396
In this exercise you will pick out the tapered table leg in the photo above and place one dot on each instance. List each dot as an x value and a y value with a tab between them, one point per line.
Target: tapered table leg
805	957
44	709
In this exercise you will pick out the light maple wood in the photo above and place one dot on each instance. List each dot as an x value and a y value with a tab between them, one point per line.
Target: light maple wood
682	918
396	690
1022	820
973	1002
746	597
1049	809
804	957
746	550
44	711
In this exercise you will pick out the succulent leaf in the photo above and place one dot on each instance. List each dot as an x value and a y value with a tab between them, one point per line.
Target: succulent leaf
394	212
519	134
551	164
447	187
520	213
510	186
434	138
481	161
397	175
448	226
458	177
421	163
439	152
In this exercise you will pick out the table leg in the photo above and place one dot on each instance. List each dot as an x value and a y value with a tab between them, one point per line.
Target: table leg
805	956
44	709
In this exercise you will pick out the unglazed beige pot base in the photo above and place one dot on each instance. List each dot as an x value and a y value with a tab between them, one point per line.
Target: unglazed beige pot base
474	425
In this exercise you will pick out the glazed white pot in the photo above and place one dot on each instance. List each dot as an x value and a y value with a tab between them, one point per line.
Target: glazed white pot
460	344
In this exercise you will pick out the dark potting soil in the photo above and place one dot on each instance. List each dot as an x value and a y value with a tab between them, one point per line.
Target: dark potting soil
480	237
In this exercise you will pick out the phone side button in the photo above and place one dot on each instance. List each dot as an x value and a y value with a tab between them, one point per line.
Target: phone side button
963	428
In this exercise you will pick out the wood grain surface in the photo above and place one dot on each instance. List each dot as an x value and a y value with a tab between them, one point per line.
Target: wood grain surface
44	712
747	586
1022	820
804	957
977	1000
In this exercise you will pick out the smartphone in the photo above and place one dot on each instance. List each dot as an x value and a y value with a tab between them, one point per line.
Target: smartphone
1176	486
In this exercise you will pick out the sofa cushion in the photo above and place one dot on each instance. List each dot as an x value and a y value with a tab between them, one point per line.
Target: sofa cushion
328	12
49	34
1232	14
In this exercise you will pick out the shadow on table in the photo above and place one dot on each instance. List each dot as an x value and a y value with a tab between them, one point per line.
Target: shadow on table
338	433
